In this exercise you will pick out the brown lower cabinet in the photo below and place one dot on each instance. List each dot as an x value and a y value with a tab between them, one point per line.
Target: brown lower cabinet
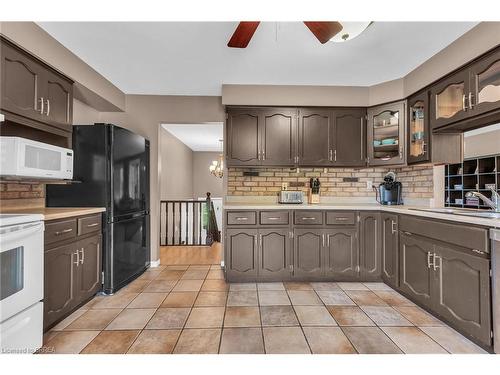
370	254
72	268
390	249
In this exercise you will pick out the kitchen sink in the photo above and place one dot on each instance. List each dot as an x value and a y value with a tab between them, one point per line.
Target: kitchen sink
463	212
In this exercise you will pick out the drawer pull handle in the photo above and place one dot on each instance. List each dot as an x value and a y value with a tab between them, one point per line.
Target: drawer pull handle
308	218
478	251
64	231
273	218
341	218
92	225
241	218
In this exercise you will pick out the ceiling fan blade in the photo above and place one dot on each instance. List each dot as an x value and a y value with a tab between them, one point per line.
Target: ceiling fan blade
242	35
324	31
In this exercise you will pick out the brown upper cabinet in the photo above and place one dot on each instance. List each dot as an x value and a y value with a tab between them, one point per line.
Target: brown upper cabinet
470	92
386	134
348	137
315	126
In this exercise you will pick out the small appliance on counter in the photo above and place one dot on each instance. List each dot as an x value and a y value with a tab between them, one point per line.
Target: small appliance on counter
290	197
389	192
313	194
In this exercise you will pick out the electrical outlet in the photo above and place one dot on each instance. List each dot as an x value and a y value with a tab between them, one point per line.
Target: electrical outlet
369	185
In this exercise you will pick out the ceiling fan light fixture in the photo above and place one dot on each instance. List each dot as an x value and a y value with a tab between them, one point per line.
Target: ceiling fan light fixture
350	30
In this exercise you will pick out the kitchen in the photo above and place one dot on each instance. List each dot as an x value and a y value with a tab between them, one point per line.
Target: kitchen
350	211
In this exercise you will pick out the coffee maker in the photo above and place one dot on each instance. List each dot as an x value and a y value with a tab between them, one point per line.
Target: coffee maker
389	192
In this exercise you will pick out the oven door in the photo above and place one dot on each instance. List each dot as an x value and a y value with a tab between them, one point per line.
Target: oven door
21	264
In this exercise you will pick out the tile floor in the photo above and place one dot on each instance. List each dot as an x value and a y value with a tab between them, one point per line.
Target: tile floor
191	309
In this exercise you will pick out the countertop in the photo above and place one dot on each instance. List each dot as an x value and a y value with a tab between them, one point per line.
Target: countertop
53	213
408	210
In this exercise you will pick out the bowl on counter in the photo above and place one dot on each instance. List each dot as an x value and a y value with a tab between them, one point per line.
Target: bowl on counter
389	141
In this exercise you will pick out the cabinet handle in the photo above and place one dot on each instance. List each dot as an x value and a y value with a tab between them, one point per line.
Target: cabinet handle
424	145
42	104
478	251
308	218
263	155
330	155
273	218
241	218
77	258
48	107
327	241
393	227
83	255
341	218
64	231
464	107
471	105
323	238
92	225
434	265
260	241
401	152
429	262
407	233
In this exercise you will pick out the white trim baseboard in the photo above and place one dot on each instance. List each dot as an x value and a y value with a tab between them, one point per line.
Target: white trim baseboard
155	263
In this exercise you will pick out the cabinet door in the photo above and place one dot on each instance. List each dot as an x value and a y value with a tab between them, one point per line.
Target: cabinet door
60	270
314	137
418	128
348	137
59	100
243	138
20	81
89	270
386	129
307	252
449	99
415	267
370	245
390	249
279	137
274	253
242	254
485	84
462	286
341	254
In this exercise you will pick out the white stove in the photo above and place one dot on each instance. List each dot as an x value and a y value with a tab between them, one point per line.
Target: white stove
21	282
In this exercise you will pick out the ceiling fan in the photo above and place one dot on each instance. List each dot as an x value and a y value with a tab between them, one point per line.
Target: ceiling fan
323	31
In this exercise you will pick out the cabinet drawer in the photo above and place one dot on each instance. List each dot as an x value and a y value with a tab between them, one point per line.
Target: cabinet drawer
241	218
340	218
60	230
89	224
274	217
308	217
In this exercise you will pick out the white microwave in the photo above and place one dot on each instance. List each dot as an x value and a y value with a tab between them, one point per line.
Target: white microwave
23	158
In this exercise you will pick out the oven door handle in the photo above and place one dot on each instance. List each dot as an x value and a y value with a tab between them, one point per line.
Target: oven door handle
21	233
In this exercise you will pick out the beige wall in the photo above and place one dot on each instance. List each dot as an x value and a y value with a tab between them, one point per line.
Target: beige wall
203	180
176	178
84	114
485	143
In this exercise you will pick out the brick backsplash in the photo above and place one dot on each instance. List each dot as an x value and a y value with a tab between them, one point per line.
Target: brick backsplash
22	195
335	182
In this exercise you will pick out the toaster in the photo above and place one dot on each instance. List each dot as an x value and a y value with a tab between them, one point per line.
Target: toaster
289	196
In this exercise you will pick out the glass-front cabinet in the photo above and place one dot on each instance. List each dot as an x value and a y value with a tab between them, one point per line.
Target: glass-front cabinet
418	128
386	134
485	84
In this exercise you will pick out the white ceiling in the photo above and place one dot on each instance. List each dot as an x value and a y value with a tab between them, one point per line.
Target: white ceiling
198	137
191	58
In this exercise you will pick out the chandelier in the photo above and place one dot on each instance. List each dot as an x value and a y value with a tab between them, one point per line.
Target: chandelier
217	166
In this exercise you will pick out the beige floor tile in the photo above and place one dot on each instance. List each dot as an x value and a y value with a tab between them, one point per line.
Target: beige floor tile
215	274
350	316
270	286
385	316
168	274
241	341
365	298
67	321
119	300
285	340
215	286
206	317
411	340
328	340
181	267
393	298
94	320
111	342
147	301
155	342
94	301
180	299
131	319
273	298
149	275
418	316
195	274
242	316
169	318
47	336
215	267
293	285
160	286
188	286
198	341
452	341
211	299
238	287
275	316
325	286
335	297
351	286
314	316
304	297
199	267
69	342
243	298
377	286
136	286
370	340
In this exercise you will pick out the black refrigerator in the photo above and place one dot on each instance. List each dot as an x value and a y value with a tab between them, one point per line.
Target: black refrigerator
111	169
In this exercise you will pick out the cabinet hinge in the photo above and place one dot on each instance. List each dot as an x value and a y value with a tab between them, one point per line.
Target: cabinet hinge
491	273
491	334
359	218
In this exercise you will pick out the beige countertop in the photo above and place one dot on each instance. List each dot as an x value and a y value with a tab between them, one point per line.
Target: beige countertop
408	210
52	213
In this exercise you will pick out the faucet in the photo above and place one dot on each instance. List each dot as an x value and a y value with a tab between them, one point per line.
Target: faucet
494	202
